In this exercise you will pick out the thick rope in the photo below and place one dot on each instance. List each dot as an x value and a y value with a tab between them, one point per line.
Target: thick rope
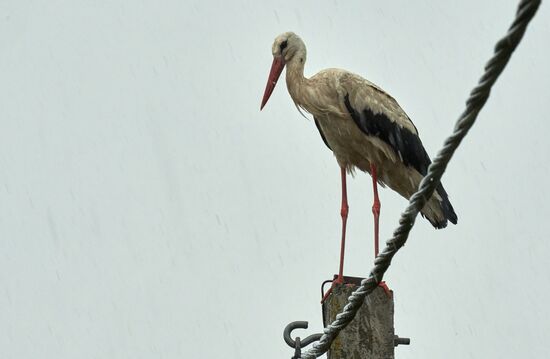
479	95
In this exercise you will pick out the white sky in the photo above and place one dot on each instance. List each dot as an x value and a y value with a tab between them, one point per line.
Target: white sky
149	210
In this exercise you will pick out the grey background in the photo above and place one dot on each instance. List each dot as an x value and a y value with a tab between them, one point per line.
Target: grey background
149	210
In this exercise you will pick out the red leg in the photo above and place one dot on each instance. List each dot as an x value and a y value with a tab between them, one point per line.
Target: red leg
375	207
376	213
344	213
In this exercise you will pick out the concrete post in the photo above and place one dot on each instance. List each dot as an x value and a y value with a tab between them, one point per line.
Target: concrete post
371	333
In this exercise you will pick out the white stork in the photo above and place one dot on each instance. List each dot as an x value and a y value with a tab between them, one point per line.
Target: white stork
364	127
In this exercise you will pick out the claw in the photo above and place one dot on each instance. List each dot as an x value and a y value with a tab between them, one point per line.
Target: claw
388	291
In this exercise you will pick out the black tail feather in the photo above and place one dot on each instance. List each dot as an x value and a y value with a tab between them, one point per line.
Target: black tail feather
446	206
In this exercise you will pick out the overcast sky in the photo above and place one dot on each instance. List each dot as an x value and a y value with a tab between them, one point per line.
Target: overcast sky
150	210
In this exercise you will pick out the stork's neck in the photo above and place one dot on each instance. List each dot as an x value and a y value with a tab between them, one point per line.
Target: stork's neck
295	80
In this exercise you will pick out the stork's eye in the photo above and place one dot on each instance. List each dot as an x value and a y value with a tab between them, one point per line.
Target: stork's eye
283	45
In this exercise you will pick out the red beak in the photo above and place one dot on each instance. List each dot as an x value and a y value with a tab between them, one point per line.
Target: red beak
276	69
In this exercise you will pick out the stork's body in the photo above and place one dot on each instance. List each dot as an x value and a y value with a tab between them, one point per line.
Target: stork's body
365	128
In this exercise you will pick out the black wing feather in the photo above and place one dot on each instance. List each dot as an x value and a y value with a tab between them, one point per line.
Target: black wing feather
321	133
404	142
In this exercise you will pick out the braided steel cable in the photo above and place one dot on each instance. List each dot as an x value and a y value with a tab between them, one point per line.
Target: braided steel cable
478	97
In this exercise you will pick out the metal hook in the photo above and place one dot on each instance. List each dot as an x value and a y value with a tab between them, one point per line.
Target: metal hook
302	343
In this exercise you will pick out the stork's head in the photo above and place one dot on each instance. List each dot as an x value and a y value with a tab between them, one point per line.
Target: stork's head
287	48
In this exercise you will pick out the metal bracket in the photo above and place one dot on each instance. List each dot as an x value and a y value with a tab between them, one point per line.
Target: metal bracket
401	341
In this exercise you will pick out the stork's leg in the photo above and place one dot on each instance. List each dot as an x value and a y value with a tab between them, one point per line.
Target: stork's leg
376	213
344	213
375	207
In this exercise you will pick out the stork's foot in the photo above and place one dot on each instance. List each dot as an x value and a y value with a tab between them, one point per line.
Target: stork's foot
327	294
384	286
336	281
